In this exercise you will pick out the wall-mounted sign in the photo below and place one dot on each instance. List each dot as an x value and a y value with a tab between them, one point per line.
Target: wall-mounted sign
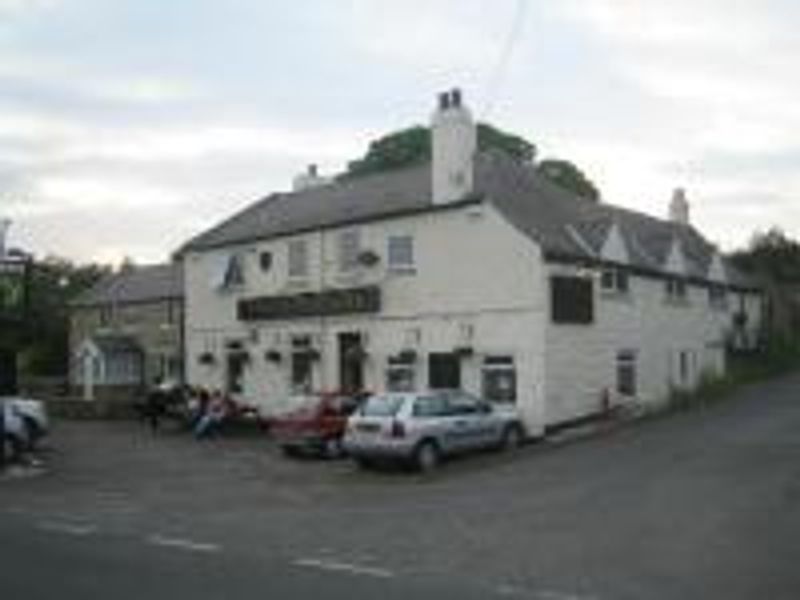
13	289
314	304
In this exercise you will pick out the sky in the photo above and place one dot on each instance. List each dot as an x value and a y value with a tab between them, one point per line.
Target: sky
128	126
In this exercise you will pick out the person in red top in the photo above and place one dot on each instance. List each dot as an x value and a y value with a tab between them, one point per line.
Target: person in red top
219	407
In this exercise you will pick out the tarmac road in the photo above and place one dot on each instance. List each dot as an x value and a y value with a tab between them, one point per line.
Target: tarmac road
697	505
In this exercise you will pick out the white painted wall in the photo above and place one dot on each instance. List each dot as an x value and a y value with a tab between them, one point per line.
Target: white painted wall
474	272
581	360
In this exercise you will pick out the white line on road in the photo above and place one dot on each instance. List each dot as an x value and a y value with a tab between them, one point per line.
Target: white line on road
182	544
332	565
68	528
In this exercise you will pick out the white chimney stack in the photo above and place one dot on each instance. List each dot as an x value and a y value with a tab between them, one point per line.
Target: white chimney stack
309	179
679	207
4	225
454	142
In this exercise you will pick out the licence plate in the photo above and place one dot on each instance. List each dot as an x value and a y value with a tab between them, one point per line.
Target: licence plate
368	427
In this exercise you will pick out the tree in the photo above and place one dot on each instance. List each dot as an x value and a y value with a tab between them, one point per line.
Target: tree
771	253
566	175
412	146
54	283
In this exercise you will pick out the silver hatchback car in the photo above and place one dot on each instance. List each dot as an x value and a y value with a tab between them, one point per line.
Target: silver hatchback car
422	428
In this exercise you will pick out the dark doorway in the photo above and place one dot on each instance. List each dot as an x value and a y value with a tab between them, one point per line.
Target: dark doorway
444	371
351	362
8	373
236	365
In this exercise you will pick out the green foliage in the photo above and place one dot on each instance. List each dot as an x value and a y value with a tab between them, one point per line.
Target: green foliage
55	282
412	146
566	175
773	254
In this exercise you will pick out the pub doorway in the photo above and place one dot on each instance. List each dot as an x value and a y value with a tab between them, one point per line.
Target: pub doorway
351	362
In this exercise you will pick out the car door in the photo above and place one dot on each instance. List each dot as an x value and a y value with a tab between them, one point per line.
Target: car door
466	421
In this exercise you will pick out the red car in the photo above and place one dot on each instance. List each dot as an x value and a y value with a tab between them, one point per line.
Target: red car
315	424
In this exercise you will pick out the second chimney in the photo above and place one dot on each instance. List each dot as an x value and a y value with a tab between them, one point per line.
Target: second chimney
679	207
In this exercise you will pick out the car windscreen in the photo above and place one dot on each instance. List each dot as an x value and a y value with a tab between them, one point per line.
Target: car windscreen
382	406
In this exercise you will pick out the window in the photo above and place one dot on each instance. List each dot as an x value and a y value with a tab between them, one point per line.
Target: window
718	296
349	246
401	253
499	379
626	372
302	366
435	405
106	315
234	272
172	312
572	300
675	289
614	281
265	261
298	258
400	374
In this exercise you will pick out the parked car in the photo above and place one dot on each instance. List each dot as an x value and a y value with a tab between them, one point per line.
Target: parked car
314	424
25	422
423	428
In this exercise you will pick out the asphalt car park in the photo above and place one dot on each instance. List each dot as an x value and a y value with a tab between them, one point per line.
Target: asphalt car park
702	504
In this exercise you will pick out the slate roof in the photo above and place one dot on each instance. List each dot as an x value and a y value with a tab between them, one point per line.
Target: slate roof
565	225
140	284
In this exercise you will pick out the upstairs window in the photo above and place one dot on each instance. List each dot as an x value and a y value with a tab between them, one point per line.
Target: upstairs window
572	300
401	253
675	289
614	281
349	248
298	258
234	272
718	296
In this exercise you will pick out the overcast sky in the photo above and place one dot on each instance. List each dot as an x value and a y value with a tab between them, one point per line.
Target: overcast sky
127	126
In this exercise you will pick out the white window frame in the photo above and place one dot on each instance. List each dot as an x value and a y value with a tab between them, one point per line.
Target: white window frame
620	281
297	259
348	248
407	253
627	359
500	364
405	368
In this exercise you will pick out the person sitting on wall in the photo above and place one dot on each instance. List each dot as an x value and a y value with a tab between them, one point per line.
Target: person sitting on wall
211	421
197	405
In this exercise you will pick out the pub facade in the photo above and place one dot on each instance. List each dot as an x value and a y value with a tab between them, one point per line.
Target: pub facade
470	271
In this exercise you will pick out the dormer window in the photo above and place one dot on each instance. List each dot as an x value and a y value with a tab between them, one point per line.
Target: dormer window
675	289
614	281
718	296
234	273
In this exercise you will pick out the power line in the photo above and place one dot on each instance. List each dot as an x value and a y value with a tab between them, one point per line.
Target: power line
496	79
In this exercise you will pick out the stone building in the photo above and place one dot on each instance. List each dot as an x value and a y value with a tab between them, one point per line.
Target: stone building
472	271
127	332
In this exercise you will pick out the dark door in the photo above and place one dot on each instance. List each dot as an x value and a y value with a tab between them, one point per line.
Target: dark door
236	366
444	371
351	362
8	373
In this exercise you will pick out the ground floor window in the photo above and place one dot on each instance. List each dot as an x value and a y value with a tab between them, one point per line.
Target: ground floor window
400	374
626	372
499	379
302	368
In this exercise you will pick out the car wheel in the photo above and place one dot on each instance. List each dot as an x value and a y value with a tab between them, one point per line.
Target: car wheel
33	430
427	457
512	437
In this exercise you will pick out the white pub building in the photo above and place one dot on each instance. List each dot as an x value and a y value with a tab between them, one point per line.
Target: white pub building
472	271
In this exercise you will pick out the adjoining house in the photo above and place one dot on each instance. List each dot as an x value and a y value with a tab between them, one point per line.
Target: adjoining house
472	271
127	332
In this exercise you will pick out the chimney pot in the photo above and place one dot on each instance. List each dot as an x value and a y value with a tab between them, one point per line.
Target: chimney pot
444	101
312	170
455	97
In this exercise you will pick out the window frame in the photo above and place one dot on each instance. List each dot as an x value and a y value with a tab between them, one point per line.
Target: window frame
297	259
348	248
407	252
575	312
615	281
493	368
627	365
